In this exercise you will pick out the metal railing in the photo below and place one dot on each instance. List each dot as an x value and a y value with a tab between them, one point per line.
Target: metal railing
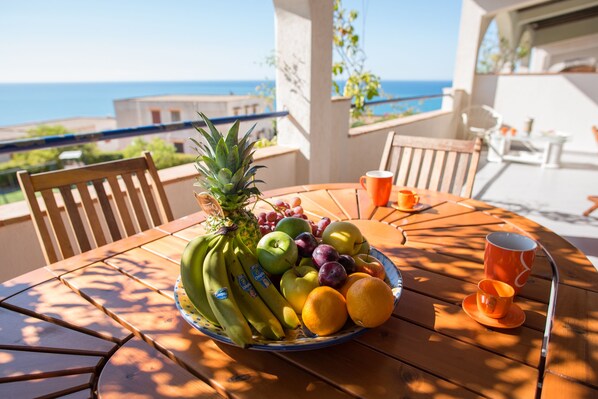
36	143
402	99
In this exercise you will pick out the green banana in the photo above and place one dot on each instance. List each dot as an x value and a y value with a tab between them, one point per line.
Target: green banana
192	275
221	298
267	291
252	306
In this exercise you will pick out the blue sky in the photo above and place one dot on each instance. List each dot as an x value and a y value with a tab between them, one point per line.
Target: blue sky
122	40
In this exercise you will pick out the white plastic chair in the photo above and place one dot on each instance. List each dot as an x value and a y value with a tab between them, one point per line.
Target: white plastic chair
481	121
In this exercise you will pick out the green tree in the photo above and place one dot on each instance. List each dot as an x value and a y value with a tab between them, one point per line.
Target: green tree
360	84
163	153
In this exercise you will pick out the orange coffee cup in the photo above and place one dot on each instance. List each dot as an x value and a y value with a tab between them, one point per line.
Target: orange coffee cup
494	298
378	184
508	257
407	199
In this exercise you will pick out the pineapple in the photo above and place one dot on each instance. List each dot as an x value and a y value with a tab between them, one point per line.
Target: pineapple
226	172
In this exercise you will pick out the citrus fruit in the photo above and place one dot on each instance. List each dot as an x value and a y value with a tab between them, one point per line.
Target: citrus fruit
370	302
325	311
351	279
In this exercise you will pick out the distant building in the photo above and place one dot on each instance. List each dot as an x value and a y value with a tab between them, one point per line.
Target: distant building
164	109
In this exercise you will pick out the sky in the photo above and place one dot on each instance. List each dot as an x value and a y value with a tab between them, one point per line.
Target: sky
147	40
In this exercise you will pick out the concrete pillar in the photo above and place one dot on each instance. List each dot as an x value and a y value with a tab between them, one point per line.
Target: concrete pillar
304	85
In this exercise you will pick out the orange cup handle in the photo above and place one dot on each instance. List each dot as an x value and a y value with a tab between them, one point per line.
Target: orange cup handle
362	182
416	197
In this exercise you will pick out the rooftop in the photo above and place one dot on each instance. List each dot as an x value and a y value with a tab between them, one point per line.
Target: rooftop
190	98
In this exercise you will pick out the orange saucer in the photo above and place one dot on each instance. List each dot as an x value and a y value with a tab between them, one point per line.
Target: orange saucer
513	319
416	207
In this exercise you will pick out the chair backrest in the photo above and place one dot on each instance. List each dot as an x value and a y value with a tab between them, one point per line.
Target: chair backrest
480	120
445	165
147	205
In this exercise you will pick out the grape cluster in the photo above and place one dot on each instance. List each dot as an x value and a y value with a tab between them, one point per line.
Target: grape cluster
267	221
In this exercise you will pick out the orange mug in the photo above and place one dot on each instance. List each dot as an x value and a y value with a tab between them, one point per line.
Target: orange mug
407	199
494	298
378	184
508	257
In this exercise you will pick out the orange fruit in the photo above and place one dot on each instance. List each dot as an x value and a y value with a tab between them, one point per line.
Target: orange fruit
325	311
370	302
351	279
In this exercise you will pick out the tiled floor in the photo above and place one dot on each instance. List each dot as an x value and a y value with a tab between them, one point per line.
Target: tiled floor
555	198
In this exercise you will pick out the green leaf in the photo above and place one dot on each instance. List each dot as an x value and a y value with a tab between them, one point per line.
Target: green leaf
224	176
216	135
211	164
221	153
233	158
232	137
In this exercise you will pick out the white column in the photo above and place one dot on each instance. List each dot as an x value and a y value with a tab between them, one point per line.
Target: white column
304	84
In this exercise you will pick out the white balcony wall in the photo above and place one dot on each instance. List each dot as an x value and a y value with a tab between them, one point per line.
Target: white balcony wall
566	102
366	143
21	251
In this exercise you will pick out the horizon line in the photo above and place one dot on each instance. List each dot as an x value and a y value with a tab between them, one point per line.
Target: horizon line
198	80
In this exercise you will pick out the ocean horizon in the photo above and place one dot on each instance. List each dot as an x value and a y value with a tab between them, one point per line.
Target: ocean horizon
37	102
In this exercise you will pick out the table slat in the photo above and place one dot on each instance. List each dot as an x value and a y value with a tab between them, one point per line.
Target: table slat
57	386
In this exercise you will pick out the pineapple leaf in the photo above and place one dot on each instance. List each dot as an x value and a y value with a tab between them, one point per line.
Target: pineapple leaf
237	176
209	139
233	157
251	171
224	176
246	136
254	191
221	153
228	187
211	164
232	137
216	135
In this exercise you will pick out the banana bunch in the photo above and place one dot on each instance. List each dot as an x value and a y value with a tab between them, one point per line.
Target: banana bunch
227	285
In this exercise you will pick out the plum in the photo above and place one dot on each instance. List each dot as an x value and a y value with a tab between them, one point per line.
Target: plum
332	274
306	244
348	263
324	253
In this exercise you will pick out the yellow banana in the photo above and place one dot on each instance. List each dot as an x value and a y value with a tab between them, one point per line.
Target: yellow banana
221	298
267	291
252	306
192	274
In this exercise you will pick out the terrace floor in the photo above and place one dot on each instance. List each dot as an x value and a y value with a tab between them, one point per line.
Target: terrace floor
554	198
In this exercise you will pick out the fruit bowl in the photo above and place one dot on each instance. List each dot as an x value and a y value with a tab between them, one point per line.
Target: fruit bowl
298	339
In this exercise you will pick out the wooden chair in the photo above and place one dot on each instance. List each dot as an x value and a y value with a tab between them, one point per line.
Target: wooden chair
143	209
436	164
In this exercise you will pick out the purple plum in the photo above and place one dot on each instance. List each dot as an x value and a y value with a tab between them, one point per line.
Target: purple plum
324	253
332	274
348	263
306	244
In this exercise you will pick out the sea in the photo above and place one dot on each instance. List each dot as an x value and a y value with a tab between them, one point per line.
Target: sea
35	102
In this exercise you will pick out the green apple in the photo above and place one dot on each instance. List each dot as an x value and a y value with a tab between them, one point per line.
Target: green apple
297	283
293	226
345	237
365	247
368	264
277	252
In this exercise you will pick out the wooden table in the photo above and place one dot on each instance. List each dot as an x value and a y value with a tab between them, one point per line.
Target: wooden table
104	322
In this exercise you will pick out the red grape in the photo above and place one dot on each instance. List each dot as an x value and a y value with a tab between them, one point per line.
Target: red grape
295	201
271	216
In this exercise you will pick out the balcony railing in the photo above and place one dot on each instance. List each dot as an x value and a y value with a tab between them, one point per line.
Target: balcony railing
36	143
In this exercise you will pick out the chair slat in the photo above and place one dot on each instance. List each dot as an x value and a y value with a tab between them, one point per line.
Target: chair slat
460	175
74	218
107	210
37	217
149	199
473	167
415	167
163	203
404	167
91	215
426	168
121	206
385	162
395	157
437	170
58	228
449	169
135	202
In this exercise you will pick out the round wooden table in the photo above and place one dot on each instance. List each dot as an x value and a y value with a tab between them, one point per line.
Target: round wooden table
104	323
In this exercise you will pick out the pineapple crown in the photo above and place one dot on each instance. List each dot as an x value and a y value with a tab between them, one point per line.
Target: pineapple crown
225	165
